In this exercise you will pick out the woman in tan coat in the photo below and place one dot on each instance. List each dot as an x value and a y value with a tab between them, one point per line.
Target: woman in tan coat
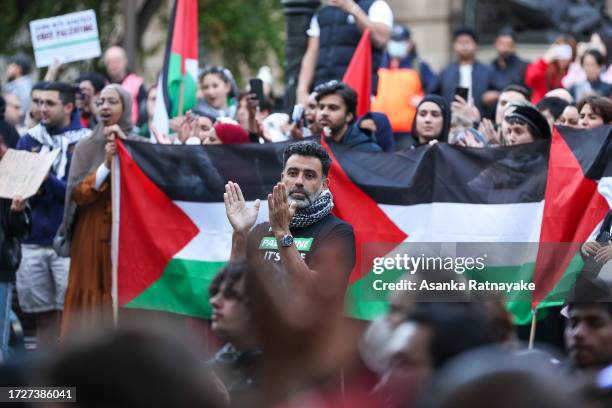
87	217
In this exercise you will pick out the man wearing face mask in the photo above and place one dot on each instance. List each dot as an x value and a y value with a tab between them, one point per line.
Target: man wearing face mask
402	77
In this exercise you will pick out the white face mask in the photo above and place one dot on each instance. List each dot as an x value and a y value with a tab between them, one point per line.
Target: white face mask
397	49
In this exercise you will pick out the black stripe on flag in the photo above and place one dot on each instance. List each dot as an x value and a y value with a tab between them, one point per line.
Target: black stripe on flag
439	173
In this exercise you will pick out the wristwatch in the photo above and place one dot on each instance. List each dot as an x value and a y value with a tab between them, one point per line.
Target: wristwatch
286	240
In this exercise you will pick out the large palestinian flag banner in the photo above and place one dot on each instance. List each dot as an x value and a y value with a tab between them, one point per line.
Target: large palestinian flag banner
173	235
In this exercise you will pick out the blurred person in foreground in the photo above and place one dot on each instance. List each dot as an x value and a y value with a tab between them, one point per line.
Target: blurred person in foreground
588	335
130	367
430	336
491	377
238	363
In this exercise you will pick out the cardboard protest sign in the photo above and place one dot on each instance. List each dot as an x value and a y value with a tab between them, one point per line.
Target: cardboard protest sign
22	172
66	38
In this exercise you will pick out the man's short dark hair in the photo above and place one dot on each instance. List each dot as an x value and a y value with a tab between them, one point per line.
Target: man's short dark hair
507	32
96	80
526	92
23	62
308	149
40	85
553	104
347	93
67	92
470	32
456	327
227	279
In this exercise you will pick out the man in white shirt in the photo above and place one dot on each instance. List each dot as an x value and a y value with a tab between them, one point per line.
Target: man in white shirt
335	31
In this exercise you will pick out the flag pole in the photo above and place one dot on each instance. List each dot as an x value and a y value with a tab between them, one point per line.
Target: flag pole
181	98
115	236
533	330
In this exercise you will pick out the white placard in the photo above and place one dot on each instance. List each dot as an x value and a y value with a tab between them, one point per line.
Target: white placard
23	172
66	38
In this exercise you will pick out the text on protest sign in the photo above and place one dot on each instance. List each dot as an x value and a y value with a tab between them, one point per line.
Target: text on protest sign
66	38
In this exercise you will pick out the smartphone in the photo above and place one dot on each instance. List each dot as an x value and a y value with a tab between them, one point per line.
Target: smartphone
256	86
462	92
298	113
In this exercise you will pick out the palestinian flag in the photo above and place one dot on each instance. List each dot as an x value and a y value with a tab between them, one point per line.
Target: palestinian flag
174	236
358	74
178	80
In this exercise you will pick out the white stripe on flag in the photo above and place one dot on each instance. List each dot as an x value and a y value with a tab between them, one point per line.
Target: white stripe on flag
161	120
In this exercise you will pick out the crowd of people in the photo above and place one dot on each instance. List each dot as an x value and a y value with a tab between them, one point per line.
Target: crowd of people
278	311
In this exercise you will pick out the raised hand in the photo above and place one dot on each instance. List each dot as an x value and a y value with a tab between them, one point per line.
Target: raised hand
241	217
280	211
590	248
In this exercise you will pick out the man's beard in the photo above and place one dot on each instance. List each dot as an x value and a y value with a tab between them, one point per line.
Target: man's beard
307	201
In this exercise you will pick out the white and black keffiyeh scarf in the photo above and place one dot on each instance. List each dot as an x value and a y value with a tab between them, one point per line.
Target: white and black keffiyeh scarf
305	217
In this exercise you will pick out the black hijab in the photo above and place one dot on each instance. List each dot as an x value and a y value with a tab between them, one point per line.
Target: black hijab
446	116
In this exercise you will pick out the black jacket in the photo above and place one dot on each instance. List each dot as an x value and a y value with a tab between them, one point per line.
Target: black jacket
337	43
355	139
12	225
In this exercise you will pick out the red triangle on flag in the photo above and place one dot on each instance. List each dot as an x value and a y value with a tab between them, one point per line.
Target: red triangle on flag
572	209
152	230
375	233
358	75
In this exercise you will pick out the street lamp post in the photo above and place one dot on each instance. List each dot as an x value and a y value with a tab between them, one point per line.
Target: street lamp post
297	18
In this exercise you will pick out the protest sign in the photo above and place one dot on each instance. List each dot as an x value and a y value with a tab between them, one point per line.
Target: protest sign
22	172
66	38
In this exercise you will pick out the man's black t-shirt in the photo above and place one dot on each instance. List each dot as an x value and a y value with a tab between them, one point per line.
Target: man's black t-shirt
329	233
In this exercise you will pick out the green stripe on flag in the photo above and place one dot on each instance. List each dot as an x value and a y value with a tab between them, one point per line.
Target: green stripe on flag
175	77
182	289
363	302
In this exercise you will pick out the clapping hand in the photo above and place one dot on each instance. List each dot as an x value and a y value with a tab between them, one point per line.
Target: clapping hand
241	217
280	211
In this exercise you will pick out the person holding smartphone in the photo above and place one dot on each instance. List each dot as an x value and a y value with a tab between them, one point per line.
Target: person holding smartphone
467	72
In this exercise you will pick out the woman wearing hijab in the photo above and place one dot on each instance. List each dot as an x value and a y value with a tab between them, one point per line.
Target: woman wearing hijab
87	216
432	121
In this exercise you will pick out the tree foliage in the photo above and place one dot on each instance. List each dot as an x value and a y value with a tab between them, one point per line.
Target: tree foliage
244	31
241	31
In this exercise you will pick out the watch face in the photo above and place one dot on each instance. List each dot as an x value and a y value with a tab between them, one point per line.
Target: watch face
287	241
